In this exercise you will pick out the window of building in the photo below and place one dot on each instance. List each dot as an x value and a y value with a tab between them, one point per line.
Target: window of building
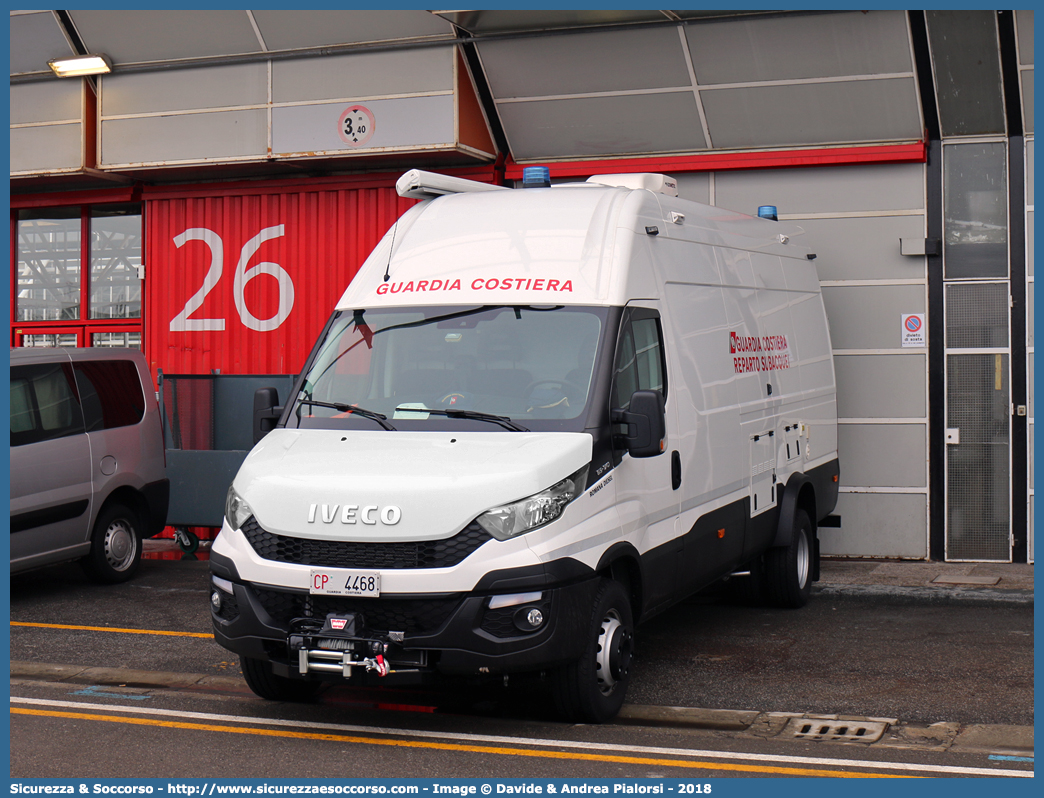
78	276
975	204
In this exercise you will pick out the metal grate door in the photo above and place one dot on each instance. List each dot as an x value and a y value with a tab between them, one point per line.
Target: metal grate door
978	418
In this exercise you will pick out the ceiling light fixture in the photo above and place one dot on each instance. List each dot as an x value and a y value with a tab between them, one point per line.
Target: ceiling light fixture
81	65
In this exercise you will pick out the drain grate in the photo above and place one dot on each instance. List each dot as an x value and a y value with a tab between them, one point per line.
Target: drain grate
835	731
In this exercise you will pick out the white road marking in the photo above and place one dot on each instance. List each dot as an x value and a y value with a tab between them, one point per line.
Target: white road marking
587	746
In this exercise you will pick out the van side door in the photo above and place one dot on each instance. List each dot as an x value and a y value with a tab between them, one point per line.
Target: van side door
646	500
113	406
51	492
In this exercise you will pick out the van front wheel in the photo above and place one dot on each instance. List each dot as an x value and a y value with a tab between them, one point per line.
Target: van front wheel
592	689
115	545
788	569
265	684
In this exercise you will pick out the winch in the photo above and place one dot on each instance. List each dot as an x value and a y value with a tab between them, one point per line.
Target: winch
336	646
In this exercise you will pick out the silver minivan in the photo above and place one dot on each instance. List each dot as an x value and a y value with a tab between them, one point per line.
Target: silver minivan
88	472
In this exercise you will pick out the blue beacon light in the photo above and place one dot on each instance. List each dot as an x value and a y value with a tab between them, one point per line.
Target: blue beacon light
767	212
536	177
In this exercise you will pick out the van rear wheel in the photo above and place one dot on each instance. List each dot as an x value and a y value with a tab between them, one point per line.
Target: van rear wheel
115	545
592	689
265	684
788	569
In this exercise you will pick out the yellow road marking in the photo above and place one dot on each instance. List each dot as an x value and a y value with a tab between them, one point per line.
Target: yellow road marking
208	635
472	749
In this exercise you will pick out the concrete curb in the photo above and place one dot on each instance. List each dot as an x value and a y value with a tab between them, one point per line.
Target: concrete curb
714	719
908	594
995	739
967	738
123	677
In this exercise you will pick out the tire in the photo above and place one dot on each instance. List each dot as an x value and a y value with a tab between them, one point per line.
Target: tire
592	689
788	570
115	545
265	684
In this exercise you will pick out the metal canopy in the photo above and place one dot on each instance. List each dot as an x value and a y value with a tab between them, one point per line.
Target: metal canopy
723	83
149	36
167	36
36	37
478	23
568	84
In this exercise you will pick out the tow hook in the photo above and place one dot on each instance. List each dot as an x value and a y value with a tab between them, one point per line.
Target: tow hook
377	663
338	662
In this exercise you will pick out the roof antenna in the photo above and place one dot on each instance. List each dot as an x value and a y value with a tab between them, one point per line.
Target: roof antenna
387	269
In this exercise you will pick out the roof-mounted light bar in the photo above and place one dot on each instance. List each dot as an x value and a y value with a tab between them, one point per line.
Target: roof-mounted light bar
418	184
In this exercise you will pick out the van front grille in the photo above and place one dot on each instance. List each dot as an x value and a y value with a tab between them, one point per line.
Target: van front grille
354	554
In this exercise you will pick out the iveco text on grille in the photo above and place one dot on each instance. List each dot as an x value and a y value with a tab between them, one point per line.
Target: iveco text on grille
353	513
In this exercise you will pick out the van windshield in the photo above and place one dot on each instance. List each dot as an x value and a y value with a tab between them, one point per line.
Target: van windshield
531	365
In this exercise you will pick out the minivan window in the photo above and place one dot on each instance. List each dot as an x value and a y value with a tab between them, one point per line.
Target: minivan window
110	391
43	403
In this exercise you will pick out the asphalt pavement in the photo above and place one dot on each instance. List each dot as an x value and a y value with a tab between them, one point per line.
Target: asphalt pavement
900	582
938	581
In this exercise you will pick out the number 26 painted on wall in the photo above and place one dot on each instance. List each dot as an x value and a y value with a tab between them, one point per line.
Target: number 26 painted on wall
243	275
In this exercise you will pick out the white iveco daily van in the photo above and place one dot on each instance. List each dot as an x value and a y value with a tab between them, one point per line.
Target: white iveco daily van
536	417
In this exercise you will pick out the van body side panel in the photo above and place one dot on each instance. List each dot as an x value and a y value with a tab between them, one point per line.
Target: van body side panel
714	545
747	322
661	564
825	479
713	398
34	519
157	496
818	381
130	457
50	500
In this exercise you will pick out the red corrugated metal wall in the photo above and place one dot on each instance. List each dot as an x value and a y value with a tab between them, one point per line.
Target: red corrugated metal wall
244	281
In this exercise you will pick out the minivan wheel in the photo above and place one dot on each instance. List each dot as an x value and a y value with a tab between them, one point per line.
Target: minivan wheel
265	684
788	569
115	545
592	689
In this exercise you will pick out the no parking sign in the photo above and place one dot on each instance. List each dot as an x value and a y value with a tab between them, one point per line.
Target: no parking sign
913	329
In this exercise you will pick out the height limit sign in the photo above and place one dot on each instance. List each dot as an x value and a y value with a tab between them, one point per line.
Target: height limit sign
913	329
356	125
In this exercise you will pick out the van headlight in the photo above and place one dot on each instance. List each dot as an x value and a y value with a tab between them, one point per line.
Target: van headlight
517	518
237	511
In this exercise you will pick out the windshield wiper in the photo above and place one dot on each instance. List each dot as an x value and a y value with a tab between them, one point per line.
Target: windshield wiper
380	418
503	421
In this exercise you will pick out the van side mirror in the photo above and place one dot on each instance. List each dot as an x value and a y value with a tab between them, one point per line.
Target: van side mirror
266	412
646	424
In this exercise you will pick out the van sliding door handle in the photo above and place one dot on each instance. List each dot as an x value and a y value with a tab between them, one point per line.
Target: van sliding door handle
675	470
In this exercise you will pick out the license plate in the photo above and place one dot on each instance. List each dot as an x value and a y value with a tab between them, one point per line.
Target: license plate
345	582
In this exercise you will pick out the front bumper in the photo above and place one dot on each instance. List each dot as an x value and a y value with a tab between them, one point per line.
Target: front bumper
449	633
